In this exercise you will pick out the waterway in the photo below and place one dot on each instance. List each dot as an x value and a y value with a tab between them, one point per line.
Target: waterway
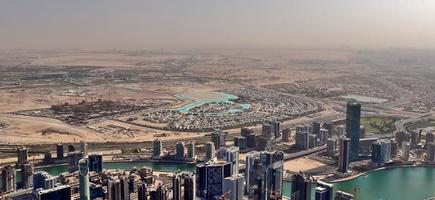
403	183
210	97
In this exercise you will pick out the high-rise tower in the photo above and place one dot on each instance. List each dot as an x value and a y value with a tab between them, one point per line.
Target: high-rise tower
353	117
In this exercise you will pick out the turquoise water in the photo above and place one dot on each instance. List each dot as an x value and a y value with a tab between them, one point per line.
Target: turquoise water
220	97
391	184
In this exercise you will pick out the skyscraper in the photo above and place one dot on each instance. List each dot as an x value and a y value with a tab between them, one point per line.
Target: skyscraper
8	179
84	179
301	186
430	138
241	142
59	151
344	150
191	150
233	187
286	135
176	186
142	191
95	162
232	156
189	185
84	148
57	193
73	161
157	148
431	152
381	151
22	154
218	138
179	150
264	171
27	171
39	180
125	192
210	178
316	127
406	148
209	151
353	117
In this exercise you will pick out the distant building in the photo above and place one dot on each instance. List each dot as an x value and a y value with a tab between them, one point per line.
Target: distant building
276	129
381	151
323	136
394	148
331	146
84	179
241	142
22	155
406	148
95	162
302	186
366	145
59	151
189	186
142	191
251	140
157	148
267	130
246	131
344	153
71	148
125	192
27	171
58	193
211	177
431	152
312	141
191	150
42	180
353	118
264	174
415	139
286	134
232	156
301	140
340	130
329	127
233	187
73	161
218	138
316	127
179	150
8	179
210	151
430	138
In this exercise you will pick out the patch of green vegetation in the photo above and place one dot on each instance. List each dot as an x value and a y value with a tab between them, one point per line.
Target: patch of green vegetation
378	125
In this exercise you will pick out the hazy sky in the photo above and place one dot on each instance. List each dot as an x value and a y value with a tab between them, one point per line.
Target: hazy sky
137	24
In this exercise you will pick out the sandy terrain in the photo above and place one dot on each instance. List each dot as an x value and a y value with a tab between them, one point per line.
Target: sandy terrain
301	164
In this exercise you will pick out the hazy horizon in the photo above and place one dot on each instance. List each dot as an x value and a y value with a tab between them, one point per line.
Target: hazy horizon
217	24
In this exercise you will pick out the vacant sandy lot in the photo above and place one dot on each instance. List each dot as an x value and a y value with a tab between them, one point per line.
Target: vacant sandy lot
302	164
